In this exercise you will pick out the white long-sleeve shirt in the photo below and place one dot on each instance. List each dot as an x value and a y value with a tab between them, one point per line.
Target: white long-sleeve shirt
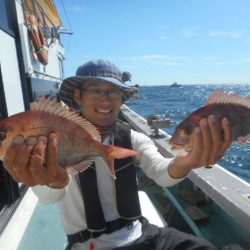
70	200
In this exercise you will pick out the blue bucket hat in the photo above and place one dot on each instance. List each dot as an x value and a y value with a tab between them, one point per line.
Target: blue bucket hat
96	70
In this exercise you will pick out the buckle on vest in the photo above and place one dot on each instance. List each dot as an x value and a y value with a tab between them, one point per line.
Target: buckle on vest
113	226
129	225
82	235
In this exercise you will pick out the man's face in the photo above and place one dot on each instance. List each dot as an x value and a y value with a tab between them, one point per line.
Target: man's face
100	102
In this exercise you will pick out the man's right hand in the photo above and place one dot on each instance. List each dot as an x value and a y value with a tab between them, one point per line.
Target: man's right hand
25	161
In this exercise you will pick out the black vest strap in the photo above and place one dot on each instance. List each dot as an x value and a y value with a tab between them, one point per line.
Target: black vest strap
127	198
93	210
85	235
126	186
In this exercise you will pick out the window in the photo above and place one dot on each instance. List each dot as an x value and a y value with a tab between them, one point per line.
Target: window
9	189
60	64
5	21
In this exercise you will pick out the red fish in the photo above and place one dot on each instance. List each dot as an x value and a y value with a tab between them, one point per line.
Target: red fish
78	140
235	108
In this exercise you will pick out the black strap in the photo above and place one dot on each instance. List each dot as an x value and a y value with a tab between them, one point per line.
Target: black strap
126	186
85	235
128	206
92	205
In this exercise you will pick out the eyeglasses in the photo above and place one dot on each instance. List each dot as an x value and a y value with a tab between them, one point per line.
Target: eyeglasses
97	92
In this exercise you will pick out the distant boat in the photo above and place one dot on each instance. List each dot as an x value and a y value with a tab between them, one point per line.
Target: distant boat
175	84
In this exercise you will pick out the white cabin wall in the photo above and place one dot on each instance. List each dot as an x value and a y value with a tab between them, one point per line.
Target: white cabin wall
53	67
24	37
10	74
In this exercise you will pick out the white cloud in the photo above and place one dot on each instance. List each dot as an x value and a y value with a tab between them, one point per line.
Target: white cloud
161	31
162	58
153	57
210	58
77	8
226	34
237	62
162	36
247	42
219	61
190	31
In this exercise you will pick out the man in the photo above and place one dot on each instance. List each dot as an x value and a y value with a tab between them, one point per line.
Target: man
97	211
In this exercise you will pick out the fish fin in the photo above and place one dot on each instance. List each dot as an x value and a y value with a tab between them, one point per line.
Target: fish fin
114	152
79	167
57	108
242	140
220	97
33	105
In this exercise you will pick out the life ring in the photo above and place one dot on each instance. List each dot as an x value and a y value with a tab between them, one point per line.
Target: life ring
37	40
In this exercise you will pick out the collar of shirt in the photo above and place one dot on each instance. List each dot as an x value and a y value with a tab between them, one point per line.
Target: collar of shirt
109	139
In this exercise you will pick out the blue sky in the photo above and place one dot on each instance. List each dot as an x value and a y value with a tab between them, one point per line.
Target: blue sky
161	41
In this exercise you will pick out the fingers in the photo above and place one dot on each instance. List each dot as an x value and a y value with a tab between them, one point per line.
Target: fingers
215	128
11	155
228	135
197	149
58	175
25	161
203	143
220	144
207	141
36	165
52	162
212	141
51	172
21	162
208	145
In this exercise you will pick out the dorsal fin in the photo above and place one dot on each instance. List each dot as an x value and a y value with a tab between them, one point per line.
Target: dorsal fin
220	97
56	108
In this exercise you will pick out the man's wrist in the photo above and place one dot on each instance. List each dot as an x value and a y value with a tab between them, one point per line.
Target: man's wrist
176	172
60	184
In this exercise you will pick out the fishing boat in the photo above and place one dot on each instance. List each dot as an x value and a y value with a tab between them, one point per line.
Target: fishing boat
210	203
175	85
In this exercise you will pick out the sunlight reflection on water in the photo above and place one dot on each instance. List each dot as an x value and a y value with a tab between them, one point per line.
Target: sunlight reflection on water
177	103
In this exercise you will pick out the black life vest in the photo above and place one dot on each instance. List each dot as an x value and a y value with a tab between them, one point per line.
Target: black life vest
127	198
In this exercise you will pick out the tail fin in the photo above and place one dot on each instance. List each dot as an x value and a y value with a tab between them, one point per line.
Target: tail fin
114	152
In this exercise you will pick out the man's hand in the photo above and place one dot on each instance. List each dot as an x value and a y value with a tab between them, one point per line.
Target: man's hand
208	147
25	161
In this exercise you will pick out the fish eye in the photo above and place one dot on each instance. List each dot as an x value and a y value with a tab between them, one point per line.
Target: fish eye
186	130
3	135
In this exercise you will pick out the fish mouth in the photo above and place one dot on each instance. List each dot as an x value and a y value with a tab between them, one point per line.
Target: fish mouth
176	146
1	157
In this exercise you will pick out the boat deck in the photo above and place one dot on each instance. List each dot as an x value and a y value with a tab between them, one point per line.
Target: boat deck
43	229
34	226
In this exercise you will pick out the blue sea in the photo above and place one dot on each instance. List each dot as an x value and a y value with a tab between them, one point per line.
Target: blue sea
176	103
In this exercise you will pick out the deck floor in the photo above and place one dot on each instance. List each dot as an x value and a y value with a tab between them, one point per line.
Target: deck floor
44	230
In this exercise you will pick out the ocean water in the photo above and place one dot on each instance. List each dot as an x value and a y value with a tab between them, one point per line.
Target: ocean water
176	103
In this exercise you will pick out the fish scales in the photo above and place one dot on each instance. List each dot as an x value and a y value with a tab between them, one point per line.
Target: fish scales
69	134
235	108
78	140
70	137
